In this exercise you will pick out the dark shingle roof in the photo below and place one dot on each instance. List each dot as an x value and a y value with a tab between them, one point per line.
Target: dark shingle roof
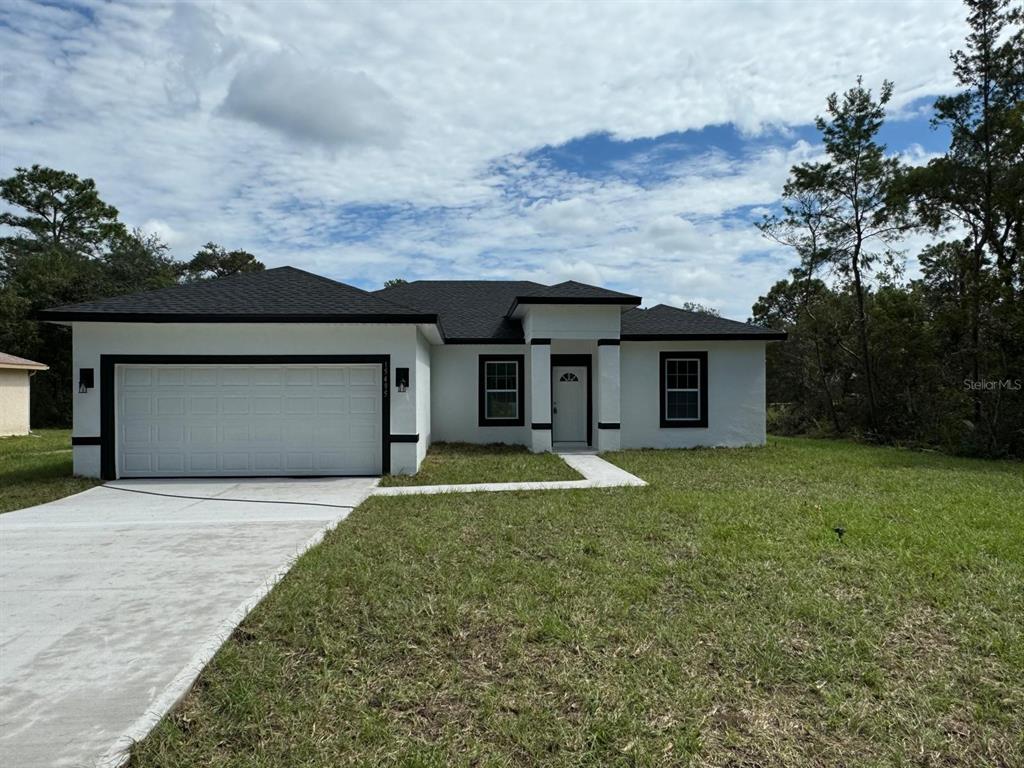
665	322
283	294
470	310
465	310
571	292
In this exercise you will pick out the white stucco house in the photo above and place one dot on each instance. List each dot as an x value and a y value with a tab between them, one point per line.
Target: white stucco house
15	388
284	372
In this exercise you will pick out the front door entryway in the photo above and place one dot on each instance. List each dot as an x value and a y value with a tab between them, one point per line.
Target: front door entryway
569	403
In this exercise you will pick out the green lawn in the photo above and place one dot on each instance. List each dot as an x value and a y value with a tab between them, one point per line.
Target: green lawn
452	463
37	468
711	618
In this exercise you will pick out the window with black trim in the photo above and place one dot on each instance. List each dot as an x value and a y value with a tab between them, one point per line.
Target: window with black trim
683	382
500	395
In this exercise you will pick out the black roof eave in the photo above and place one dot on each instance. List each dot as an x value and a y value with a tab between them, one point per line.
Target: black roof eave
53	315
624	301
738	336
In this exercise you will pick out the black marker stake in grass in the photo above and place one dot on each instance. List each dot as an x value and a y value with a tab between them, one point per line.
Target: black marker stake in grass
839	532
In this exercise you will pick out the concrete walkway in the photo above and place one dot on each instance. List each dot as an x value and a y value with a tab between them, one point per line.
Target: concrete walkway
597	473
112	601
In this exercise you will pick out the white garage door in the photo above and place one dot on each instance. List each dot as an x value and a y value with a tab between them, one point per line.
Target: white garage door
196	420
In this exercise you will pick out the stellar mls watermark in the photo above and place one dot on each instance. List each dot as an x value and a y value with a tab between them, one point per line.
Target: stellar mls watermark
989	385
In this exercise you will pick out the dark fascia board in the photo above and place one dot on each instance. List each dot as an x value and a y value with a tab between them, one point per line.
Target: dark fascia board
485	340
771	336
626	301
49	315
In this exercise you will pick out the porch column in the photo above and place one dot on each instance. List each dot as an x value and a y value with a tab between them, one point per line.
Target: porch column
608	395
540	395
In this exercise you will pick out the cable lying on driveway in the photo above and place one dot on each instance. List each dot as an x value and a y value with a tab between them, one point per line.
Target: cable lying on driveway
218	498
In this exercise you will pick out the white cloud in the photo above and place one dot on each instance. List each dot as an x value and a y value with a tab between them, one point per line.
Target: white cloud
331	106
432	108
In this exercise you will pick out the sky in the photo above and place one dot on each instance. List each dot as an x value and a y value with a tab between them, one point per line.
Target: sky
630	145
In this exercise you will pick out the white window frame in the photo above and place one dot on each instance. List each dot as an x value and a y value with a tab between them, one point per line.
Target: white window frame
515	389
669	389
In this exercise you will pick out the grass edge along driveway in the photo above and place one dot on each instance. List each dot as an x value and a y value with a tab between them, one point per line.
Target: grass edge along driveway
36	468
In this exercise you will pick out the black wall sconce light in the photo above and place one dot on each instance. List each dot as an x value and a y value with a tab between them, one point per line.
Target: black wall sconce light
402	379
86	380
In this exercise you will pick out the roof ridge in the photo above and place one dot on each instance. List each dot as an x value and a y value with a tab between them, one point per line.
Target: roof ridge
371	294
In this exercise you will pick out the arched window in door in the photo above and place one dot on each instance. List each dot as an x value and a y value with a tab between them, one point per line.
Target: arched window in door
569	376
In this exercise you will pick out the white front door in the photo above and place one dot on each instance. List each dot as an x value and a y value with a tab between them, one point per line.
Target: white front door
569	404
208	420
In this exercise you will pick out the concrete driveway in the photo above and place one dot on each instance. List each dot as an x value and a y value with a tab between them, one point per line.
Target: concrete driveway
110	600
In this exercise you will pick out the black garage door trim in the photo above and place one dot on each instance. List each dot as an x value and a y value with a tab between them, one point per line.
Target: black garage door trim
108	363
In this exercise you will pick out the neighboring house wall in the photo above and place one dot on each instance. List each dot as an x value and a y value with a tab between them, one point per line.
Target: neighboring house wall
93	339
14	402
736	395
454	395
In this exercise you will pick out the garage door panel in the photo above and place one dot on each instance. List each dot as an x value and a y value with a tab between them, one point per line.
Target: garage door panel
331	377
202	462
235	405
266	406
238	420
201	434
202	406
266	377
363	404
170	376
299	377
268	461
300	406
170	462
234	377
366	376
138	462
170	406
203	377
138	406
170	433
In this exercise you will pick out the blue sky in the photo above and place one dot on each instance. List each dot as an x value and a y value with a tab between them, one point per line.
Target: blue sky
633	145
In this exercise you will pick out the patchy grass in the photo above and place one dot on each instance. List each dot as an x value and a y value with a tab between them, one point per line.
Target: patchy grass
454	463
36	468
712	618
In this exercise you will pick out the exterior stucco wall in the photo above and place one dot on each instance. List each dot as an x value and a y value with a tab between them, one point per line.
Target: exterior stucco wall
14	395
736	395
571	321
94	339
455	396
421	383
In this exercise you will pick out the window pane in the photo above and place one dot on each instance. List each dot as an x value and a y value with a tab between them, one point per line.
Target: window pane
501	405
682	374
500	376
682	405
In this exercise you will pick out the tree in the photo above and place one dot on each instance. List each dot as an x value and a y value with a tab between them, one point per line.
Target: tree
809	370
64	245
136	261
977	188
395	281
838	215
213	261
59	212
702	309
